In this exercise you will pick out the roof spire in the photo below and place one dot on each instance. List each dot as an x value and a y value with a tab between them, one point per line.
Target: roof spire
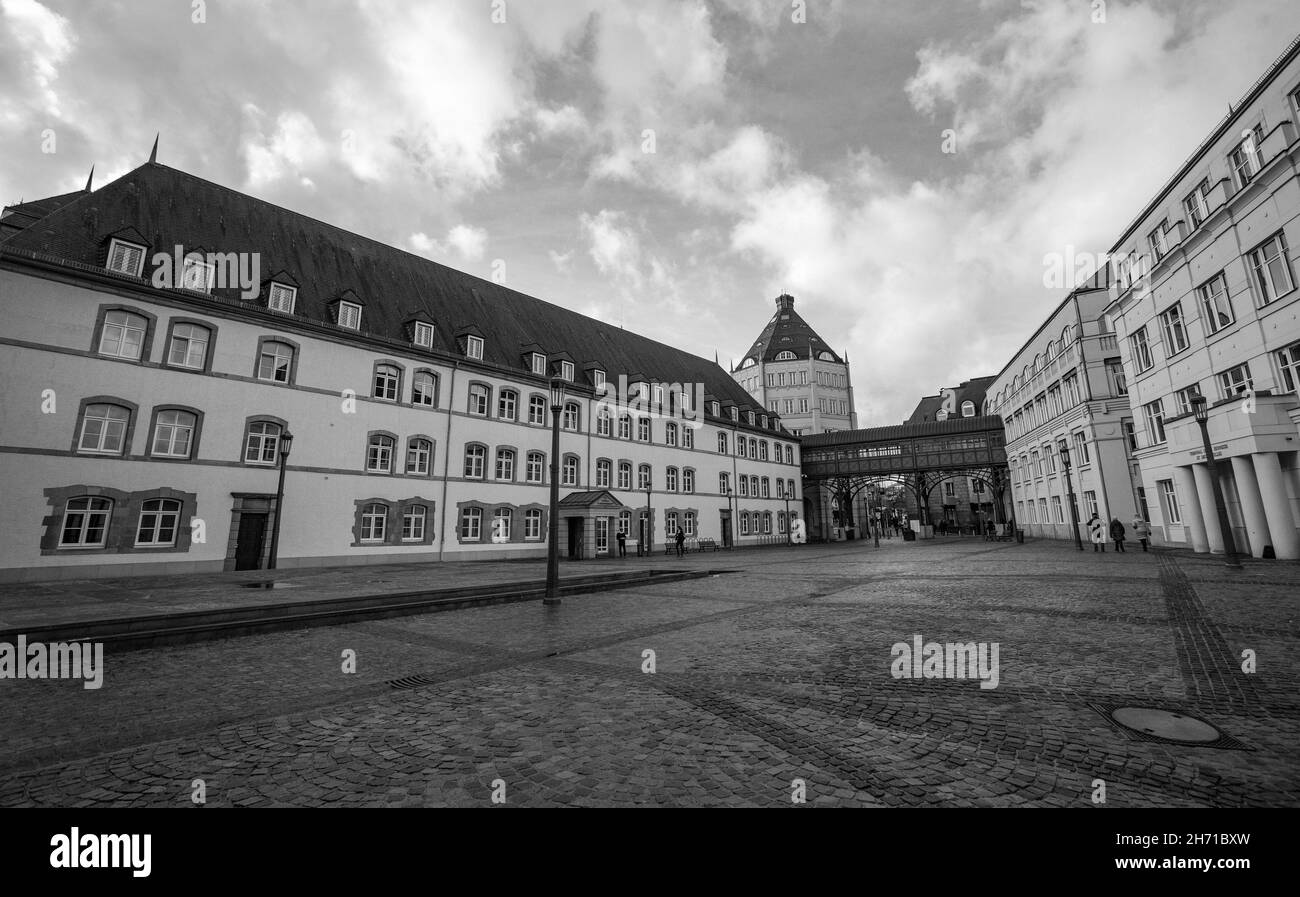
90	181
153	154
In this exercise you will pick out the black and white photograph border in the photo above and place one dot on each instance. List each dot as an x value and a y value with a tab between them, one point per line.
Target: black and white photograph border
380	428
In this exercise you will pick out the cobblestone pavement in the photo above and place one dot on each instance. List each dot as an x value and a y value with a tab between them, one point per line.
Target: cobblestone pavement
776	673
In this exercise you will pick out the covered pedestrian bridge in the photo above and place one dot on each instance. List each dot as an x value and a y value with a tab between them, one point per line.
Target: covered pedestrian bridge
848	468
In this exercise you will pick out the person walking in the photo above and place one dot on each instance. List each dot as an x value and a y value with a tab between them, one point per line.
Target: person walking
1141	531
1097	532
681	542
1117	533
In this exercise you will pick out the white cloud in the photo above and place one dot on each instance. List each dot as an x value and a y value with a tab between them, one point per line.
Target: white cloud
44	39
563	261
464	242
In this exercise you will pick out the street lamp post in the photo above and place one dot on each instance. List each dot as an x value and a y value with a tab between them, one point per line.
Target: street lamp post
1063	449
875	516
788	537
553	536
286	442
731	520
1200	408
649	543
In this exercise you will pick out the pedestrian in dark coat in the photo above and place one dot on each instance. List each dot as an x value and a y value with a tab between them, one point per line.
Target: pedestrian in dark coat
1117	533
681	542
1097	532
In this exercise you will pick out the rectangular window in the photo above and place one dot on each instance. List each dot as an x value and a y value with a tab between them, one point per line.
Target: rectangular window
566	370
1157	241
1141	351
281	298
122	335
189	347
1235	381
533	472
197	275
419	457
159	521
275	362
1169	501
1245	159
1058	510
1216	307
1195	205
598	379
350	315
471	524
1130	434
1115	377
474	347
1183	398
103	429
423	335
539	364
85	522
1155	412
1175	333
602	535
1081	455
1272	269
413	520
173	433
1090	503
125	258
532	526
1288	362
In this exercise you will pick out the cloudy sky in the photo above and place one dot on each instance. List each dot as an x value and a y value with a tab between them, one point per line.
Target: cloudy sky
668	166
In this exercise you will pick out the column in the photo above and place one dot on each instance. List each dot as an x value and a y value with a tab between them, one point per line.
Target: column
1209	511
1190	505
1252	508
1281	526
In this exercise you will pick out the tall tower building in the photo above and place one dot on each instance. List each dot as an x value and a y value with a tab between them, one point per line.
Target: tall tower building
792	372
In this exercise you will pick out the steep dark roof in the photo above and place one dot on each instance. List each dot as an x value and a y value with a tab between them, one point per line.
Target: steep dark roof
787	332
170	207
972	390
20	216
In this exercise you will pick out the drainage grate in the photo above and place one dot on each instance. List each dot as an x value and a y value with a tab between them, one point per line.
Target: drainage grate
1164	725
268	584
412	681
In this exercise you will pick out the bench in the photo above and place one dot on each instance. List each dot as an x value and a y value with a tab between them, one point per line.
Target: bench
707	545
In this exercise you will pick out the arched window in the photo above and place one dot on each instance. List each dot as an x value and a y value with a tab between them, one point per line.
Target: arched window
753	486
643	476
766	486
374	520
388	381
604	422
532	525
379	453
624	475
424	389
968	409
536	465
572	416
85	522
785	356
502	524
724	483
722	443
744	523
569	476
505	464
508	404
670	434
624	522
688	480
475	456
762	451
643	429
419	457
479	398
689	519
103	429
122	335
188	347
275	362
670	479
173	434
471	524
537	410
624	427
604	467
740	448
413	523
159	520
753	447
767	523
262	443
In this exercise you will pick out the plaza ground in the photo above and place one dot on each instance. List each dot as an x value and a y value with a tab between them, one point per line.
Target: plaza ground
777	672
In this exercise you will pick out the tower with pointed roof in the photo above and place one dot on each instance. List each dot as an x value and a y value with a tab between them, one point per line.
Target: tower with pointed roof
791	371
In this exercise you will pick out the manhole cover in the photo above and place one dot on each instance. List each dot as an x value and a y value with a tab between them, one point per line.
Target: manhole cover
267	585
1166	724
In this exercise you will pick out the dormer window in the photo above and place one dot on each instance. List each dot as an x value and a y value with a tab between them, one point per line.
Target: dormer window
282	298
423	335
825	356
198	275
474	347
785	356
539	364
764	421
716	408
735	413
598	378
658	395
566	370
750	418
125	258
349	315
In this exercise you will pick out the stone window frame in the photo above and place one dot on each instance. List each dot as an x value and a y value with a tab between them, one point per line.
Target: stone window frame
577	466
501	394
618	473
437	388
123	520
392	458
146	342
401	380
194	438
545	468
433	453
545	409
487	407
396	510
128	435
243	441
609	480
165	360
514	464
482	478
293	360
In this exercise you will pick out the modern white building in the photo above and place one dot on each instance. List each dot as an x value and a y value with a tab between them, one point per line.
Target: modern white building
1205	303
1066	386
165	337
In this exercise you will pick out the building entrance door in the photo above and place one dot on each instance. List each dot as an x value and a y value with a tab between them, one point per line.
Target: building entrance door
726	529
575	538
248	543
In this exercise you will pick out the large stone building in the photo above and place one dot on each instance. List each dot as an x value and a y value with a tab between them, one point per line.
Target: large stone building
165	335
1205	304
792	372
964	503
1066	387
